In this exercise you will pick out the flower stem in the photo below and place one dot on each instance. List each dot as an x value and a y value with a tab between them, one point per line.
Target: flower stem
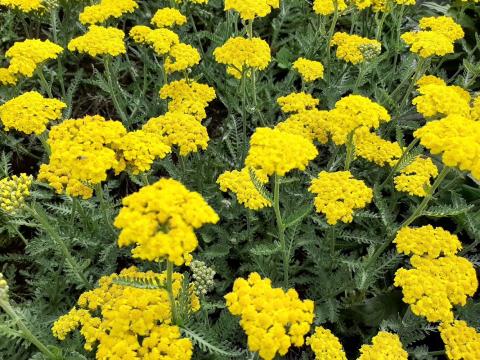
171	295
350	151
281	229
45	85
107	61
103	208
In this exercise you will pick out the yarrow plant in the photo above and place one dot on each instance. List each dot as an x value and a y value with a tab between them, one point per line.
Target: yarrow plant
226	179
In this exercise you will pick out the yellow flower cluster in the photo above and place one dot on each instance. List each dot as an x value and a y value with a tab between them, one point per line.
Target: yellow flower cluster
475	110
436	36
188	97
243	55
267	152
26	57
457	138
168	17
433	286
373	148
273	320
13	192
309	70
427	241
82	153
414	179
325	345
182	130
161	40
240	183
297	102
437	98
355	49
461	341
30	113
250	9
338	194
125	322
25	6
327	7
310	124
385	346
161	219
181	57
99	41
352	112
107	9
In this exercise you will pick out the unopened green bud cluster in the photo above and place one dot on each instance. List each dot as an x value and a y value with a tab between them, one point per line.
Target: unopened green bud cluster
202	276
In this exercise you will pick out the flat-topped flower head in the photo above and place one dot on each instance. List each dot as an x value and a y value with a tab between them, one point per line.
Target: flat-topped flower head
273	319
160	221
30	113
28	55
168	17
428	241
99	41
26	6
179	129
297	102
250	9
444	25
433	286
118	320
457	139
310	124
415	178
327	7
461	341
385	346
353	112
372	147
7	78
241	184
355	49
181	57
309	70
268	156
240	55
338	195
13	191
107	9
162	40
325	345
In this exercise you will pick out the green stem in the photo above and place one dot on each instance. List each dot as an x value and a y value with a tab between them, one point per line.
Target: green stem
43	137
350	151
113	84
420	70
53	22
362	69
243	85
103	208
378	33
397	164
171	295
250	29
281	229
331	31
39	214
27	334
45	85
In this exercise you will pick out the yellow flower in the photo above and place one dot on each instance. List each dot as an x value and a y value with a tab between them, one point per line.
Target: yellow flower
99	41
444	25
129	322
240	54
297	102
267	152
26	56
107	9
440	99
139	149
162	40
355	49
181	57
373	148
353	112
250	9
30	113
25	6
82	154
140	33
161	220
338	194
327	7
308	69
188	97
458	140
415	178
385	346
274	320
7	78
240	183
427	241
325	345
168	17
362	4
13	192
433	286
310	124
179	129
461	341
428	43
430	80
